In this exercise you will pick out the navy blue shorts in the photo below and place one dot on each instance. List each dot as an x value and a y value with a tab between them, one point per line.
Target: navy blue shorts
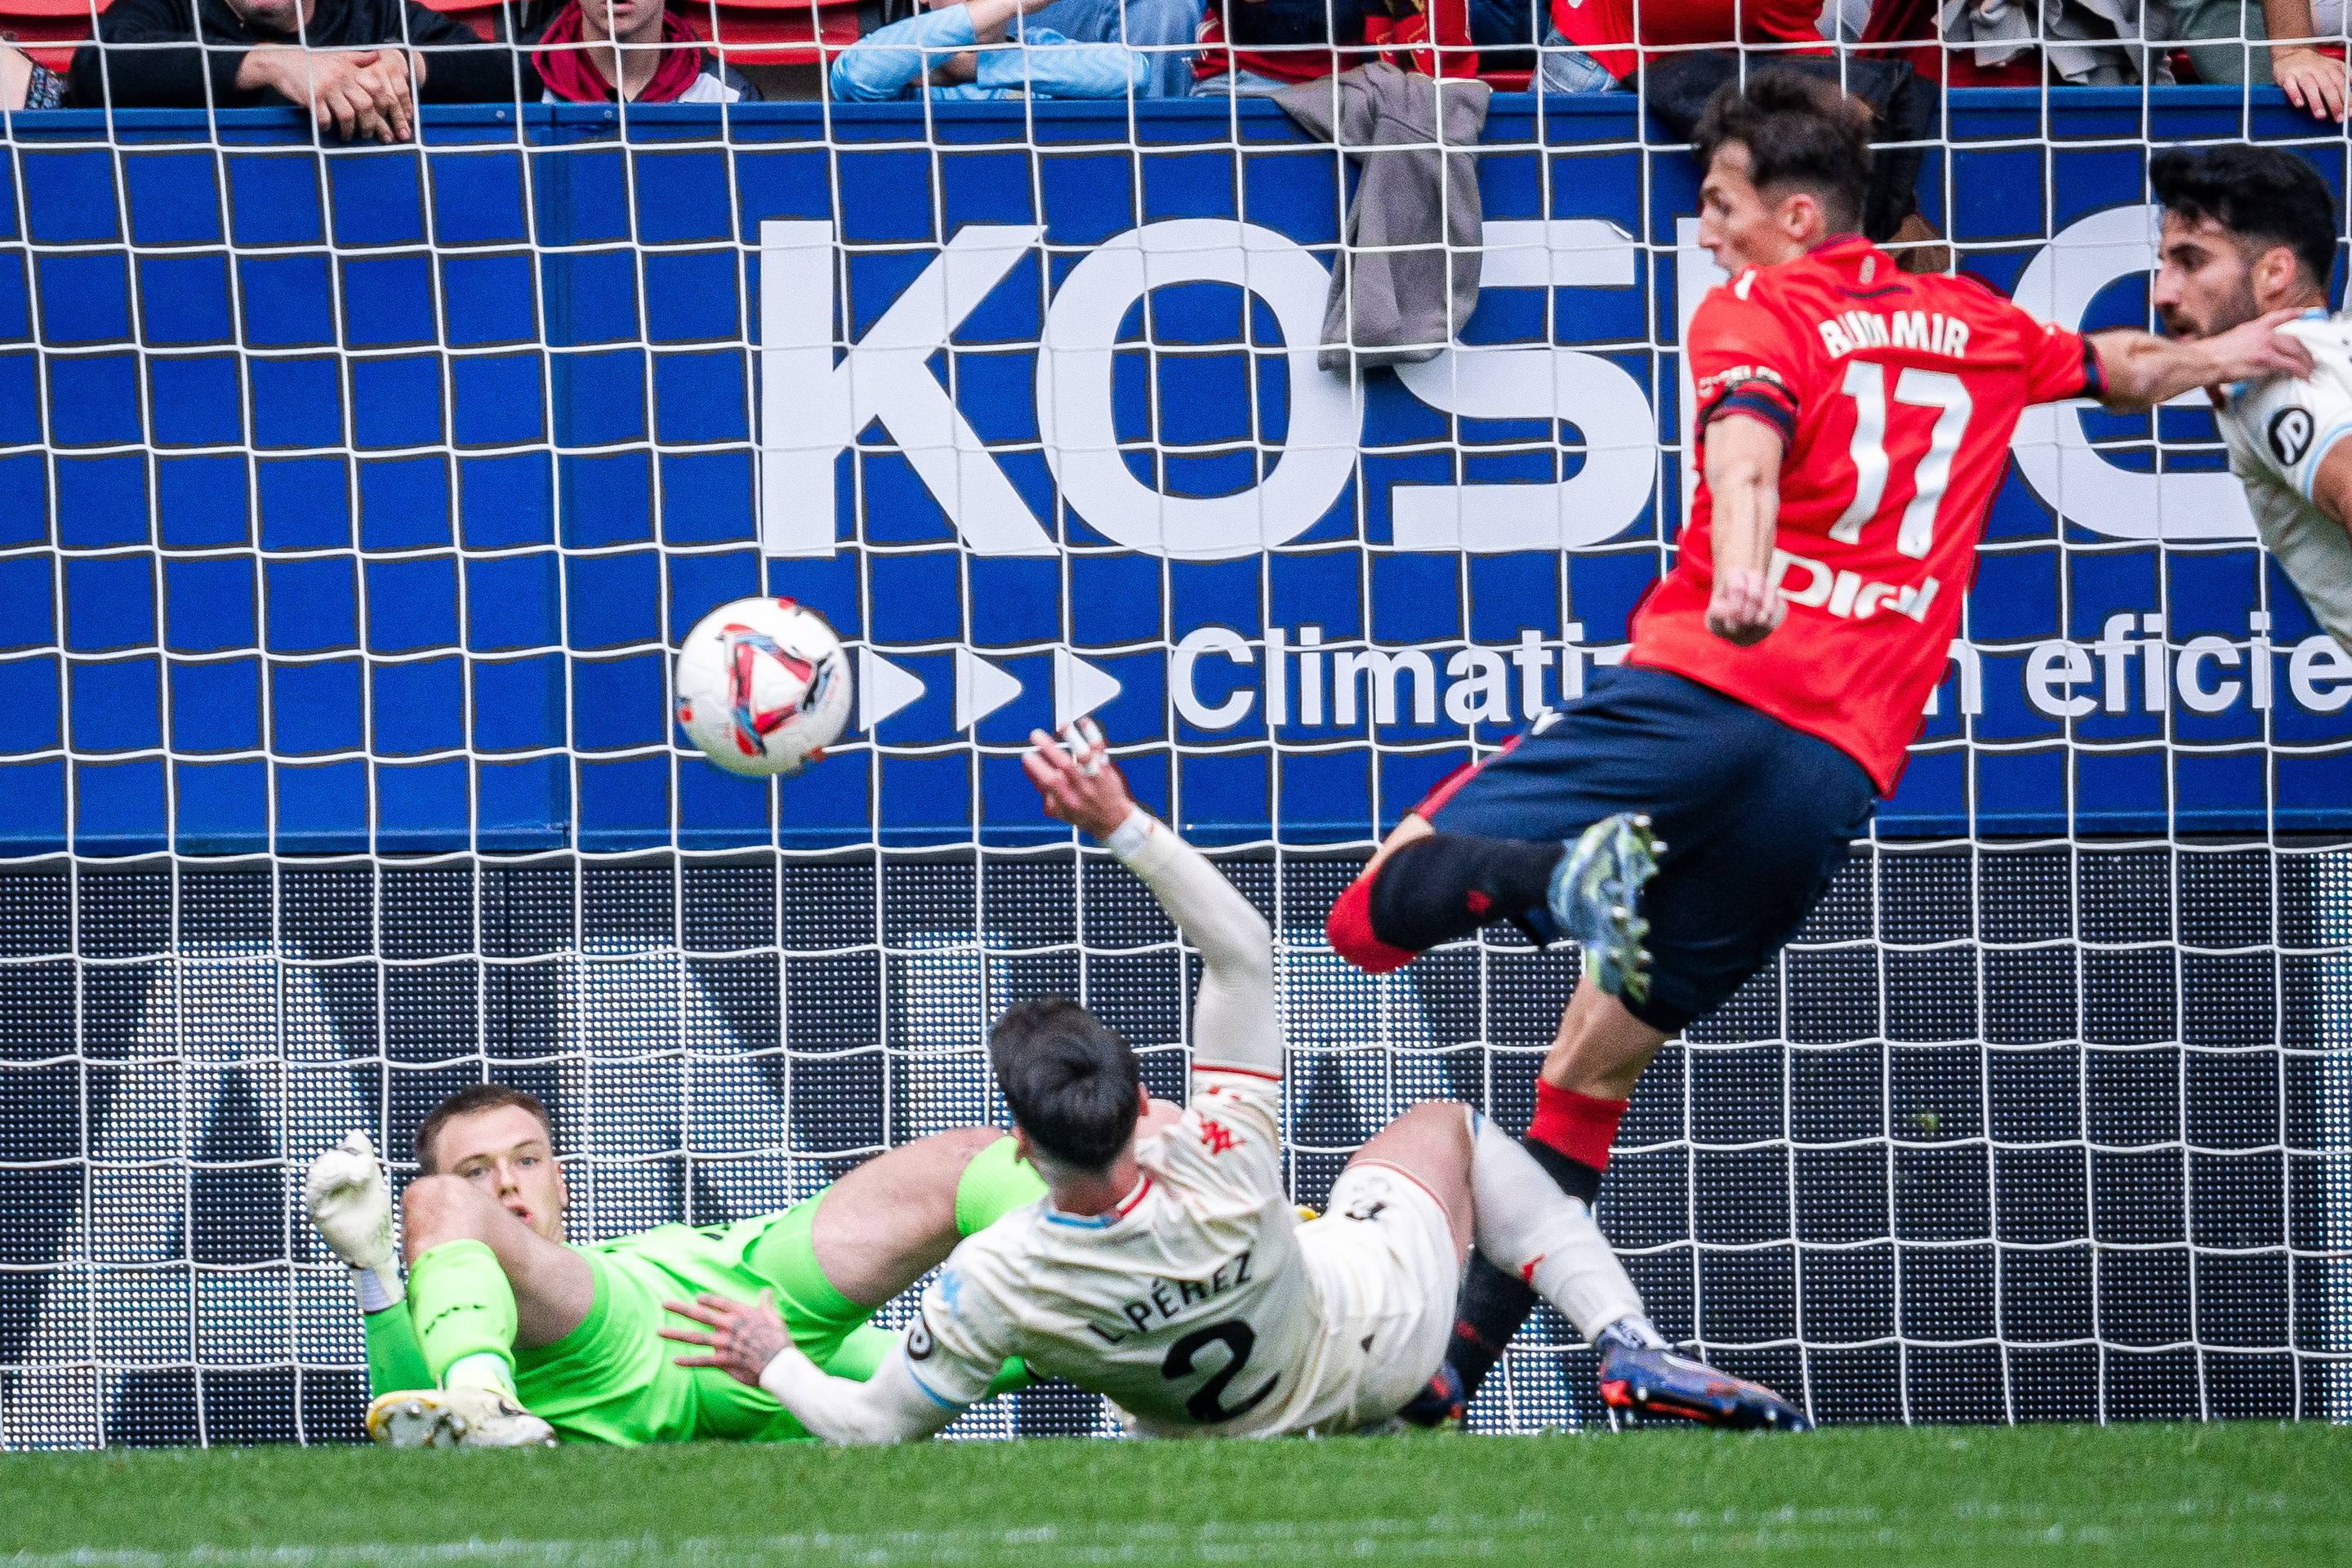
1757	817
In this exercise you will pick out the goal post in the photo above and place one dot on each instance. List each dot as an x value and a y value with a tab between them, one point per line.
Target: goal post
352	502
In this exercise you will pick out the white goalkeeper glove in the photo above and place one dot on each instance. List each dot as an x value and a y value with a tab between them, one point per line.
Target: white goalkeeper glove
347	1199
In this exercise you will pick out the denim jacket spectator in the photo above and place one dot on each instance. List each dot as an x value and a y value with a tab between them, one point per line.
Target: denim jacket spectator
896	60
459	68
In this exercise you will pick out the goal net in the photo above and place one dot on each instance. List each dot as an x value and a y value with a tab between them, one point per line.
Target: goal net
351	500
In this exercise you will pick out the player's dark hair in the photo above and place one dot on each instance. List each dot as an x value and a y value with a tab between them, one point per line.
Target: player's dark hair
2265	196
1070	1081
466	1102
1802	133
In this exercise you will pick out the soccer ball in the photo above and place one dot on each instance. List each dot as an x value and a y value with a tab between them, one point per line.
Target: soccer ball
763	686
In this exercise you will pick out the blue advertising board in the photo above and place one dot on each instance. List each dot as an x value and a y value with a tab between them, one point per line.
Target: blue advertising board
351	500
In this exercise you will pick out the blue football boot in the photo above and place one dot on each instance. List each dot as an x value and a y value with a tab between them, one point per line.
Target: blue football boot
1655	1381
1595	897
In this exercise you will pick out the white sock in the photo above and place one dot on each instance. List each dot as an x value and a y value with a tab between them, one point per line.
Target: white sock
480	1370
1528	1226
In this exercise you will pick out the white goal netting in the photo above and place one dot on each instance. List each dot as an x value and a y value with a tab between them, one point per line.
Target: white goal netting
351	500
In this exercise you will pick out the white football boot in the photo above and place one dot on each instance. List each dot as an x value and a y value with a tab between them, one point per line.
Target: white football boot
455	1418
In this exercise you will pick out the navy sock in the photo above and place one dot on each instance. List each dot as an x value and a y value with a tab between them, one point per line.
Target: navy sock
1447	885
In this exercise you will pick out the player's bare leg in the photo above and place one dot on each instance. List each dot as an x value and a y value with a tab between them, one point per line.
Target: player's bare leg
893	1219
1431	1144
1601	1048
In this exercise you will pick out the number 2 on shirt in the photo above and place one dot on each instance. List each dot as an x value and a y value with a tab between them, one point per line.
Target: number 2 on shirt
1865	382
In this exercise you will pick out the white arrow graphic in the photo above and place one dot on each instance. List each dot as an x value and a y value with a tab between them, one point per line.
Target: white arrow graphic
980	689
1078	687
882	688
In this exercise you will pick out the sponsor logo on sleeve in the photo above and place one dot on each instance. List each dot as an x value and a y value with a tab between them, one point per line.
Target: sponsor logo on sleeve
1724	380
2290	434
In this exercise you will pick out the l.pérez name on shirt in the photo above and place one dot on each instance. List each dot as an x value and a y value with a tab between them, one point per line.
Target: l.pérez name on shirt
1167	1298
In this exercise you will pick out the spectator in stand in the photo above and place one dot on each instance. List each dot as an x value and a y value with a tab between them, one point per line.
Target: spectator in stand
1162	31
1590	47
27	83
2226	39
2313	80
634	51
1255	49
974	50
2015	43
360	67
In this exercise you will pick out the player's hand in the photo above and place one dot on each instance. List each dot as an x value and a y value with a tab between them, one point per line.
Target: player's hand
742	1337
2253	350
1081	784
2311	81
1746	606
345	1197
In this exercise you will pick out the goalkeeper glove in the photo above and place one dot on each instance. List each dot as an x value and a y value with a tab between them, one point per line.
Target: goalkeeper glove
346	1197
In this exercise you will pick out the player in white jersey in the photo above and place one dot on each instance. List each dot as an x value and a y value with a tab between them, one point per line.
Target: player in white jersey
1165	1267
2249	230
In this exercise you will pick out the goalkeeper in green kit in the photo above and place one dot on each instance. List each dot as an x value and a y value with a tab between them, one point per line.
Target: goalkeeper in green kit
506	1336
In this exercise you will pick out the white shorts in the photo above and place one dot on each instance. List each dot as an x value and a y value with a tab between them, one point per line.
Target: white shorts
1384	1264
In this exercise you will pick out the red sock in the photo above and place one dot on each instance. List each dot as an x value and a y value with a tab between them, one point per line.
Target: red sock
1579	1126
1348	928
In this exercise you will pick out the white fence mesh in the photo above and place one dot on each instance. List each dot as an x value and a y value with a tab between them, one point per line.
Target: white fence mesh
351	500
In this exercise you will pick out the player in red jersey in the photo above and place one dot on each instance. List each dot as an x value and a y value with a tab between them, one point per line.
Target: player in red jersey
1854	422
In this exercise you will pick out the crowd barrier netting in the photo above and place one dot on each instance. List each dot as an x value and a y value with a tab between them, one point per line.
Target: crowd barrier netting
352	501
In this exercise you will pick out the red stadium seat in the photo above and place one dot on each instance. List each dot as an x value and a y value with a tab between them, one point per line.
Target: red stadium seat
50	30
483	16
773	32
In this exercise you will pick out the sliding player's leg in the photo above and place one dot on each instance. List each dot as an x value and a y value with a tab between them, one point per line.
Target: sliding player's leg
1581	1092
1527	1226
1386	1256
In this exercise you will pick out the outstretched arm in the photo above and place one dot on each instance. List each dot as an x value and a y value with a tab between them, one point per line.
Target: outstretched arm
344	1194
746	1340
2141	370
1234	1023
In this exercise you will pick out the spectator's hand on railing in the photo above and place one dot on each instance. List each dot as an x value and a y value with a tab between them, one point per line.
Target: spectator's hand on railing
363	94
2312	80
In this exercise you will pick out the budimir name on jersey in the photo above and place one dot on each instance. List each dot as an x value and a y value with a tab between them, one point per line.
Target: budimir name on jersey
1167	1297
1930	331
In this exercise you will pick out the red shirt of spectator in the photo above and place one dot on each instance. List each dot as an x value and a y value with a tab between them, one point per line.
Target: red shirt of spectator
1433	39
1602	28
1896	397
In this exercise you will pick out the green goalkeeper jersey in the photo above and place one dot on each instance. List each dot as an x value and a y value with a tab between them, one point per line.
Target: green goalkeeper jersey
614	1380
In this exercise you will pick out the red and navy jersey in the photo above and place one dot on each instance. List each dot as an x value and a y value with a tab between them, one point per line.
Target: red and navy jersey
1896	397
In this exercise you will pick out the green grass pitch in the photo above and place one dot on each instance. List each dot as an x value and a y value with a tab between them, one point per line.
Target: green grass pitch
2218	1496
